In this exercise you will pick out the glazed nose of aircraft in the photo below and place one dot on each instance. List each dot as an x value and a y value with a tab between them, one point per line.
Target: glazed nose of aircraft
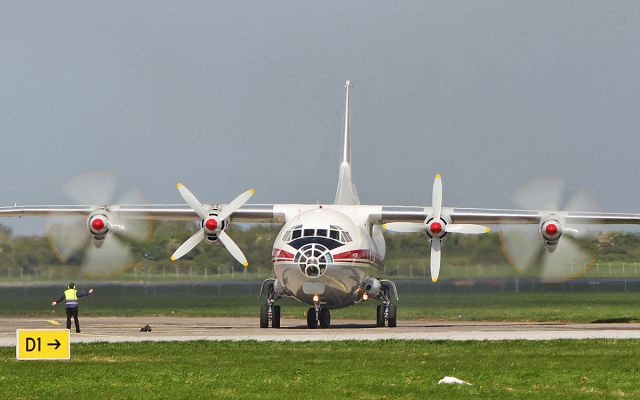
313	267
313	259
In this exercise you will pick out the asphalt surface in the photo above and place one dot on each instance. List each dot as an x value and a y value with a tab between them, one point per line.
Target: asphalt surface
112	329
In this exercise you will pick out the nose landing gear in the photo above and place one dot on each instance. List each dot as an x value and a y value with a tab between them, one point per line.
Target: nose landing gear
318	315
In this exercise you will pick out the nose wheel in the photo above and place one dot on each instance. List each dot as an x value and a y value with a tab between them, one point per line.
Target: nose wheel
318	316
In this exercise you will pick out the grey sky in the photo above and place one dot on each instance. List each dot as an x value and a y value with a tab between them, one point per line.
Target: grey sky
229	95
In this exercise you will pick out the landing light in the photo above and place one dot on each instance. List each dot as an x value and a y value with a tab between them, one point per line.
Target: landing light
316	298
365	297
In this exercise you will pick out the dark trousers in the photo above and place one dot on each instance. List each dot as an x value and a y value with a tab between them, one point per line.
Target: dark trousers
73	312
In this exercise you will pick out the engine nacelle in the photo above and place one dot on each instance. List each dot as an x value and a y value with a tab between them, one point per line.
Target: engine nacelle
550	232
99	224
372	287
213	226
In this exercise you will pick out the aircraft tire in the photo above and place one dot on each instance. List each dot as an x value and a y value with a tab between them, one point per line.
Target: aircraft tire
275	316
325	318
312	322
264	316
392	317
380	316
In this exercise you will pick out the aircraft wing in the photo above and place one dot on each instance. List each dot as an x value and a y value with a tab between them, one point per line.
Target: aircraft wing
262	213
487	216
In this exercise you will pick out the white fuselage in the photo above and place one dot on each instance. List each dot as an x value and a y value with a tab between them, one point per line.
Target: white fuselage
327	251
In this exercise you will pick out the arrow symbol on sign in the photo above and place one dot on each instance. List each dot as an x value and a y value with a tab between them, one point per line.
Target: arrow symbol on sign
57	344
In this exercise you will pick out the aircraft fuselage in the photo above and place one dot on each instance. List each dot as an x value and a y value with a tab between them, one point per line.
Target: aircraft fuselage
326	253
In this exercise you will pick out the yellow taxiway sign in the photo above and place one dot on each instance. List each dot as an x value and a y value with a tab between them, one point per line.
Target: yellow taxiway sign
43	344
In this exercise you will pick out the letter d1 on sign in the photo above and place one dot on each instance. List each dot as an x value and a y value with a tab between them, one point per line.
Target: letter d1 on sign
43	344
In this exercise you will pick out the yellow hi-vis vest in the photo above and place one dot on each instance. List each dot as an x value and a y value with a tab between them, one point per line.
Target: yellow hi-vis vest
71	294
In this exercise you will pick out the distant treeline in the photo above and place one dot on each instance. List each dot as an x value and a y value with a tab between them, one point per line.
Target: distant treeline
31	252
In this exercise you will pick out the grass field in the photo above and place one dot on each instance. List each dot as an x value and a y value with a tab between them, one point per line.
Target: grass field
415	303
357	370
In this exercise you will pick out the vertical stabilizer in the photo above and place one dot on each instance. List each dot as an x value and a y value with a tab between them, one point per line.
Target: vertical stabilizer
346	193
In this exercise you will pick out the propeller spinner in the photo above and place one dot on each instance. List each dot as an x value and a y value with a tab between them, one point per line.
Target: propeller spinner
212	224
436	227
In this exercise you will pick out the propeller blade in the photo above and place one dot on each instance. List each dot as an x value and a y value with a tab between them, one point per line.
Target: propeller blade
192	201
235	204
542	193
435	259
468	229
91	188
136	229
582	201
67	235
188	245
233	248
405	227
521	246
110	258
436	197
567	261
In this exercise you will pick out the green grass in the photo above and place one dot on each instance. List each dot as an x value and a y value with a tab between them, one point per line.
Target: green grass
358	370
415	303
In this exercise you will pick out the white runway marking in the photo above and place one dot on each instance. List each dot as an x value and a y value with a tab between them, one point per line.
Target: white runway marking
110	329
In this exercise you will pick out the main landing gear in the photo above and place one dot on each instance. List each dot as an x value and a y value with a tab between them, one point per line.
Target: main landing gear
387	313
269	311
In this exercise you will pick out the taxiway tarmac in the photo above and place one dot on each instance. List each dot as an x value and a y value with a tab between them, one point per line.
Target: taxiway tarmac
117	329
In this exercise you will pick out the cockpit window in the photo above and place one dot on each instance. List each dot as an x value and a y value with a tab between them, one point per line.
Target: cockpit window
331	238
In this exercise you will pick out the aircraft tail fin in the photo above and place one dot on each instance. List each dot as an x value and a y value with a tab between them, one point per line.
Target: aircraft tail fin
346	192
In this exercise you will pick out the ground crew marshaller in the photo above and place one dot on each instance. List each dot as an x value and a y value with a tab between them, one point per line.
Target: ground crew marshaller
71	296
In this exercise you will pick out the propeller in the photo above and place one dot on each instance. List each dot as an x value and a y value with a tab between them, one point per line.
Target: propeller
69	236
212	224
435	227
549	250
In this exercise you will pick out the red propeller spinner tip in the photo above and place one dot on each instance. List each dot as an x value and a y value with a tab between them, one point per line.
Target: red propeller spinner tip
211	224
436	227
97	224
551	229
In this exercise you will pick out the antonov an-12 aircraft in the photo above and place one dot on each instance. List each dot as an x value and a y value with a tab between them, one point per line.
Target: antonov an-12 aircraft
328	256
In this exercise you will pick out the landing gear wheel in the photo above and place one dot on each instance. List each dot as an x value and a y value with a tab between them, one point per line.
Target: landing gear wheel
264	316
325	318
275	316
312	320
392	317
380	316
